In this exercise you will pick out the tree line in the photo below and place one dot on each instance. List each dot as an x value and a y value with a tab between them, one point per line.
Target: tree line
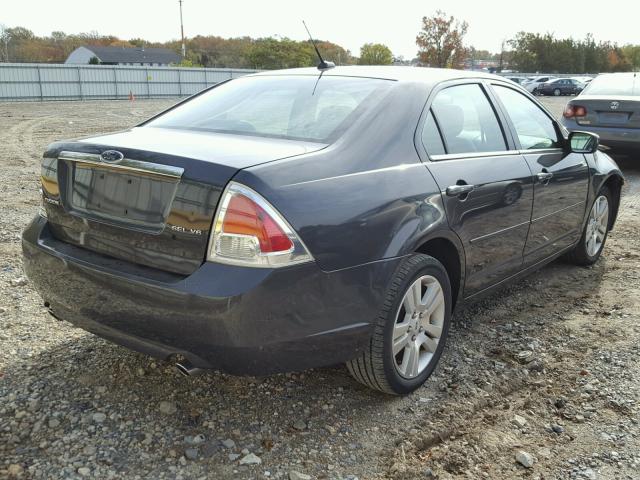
545	53
19	44
440	43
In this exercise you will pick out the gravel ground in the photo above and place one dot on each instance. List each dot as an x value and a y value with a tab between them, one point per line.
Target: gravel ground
539	381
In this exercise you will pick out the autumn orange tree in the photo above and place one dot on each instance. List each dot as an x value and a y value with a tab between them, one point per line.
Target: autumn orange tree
440	41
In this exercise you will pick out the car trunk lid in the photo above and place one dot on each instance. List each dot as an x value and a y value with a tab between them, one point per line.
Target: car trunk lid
609	111
154	206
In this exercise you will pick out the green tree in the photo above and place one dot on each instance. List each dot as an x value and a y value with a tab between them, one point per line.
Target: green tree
186	63
440	41
375	54
533	52
632	55
270	53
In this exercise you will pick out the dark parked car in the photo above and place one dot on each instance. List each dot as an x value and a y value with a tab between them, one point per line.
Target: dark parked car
560	86
287	220
610	107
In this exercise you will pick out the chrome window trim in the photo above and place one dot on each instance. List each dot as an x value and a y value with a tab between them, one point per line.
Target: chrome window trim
126	164
542	150
460	156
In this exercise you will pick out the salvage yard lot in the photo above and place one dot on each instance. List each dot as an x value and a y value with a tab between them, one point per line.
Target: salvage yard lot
550	367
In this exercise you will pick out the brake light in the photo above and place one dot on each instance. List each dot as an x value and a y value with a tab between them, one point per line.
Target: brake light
245	217
249	231
574	111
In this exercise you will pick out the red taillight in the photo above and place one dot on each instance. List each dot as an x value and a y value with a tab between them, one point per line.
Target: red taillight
574	111
249	231
245	217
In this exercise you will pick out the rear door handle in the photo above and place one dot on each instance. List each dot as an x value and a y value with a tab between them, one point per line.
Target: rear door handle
544	177
457	190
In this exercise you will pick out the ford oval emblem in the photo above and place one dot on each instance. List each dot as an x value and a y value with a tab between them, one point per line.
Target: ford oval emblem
111	156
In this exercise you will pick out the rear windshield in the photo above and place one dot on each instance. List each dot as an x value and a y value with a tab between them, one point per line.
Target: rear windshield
309	108
614	84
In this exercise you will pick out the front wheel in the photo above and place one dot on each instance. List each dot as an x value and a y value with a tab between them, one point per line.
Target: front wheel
410	331
595	232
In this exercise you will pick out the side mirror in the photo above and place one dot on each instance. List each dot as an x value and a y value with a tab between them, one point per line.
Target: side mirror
583	142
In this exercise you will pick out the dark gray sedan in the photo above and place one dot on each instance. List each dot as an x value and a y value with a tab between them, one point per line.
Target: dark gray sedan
560	86
289	220
610	107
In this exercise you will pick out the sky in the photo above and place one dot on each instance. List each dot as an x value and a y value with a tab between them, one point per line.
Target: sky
349	23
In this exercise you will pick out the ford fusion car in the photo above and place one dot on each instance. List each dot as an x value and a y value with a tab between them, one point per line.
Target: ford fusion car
294	219
609	107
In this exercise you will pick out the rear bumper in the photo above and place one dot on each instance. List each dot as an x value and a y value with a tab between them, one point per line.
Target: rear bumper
236	319
614	138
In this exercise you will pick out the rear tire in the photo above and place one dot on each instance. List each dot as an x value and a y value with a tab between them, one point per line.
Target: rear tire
595	232
557	92
413	323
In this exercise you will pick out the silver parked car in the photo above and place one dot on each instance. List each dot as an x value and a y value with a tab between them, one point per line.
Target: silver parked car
532	83
518	80
610	107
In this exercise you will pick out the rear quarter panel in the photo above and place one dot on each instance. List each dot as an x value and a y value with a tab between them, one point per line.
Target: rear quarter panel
365	198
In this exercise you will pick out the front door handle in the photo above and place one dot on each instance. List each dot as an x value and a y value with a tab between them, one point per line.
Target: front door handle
544	177
458	190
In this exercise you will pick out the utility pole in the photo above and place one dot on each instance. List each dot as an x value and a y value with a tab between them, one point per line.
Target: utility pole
184	49
5	37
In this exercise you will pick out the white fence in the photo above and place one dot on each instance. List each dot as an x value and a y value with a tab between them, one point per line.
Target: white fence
556	75
41	82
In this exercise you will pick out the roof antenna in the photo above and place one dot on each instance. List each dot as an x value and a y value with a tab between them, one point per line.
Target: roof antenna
323	65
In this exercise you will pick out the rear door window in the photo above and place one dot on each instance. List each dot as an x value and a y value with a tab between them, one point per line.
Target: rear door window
534	127
431	139
467	120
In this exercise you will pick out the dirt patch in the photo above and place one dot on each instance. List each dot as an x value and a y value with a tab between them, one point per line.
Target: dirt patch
548	368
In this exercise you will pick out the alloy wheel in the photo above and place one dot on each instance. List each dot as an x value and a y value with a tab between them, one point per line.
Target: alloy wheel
418	327
597	225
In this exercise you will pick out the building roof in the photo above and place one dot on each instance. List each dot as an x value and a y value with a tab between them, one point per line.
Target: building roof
134	55
390	72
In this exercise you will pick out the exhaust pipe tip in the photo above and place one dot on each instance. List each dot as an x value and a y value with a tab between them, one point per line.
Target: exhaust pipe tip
186	369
